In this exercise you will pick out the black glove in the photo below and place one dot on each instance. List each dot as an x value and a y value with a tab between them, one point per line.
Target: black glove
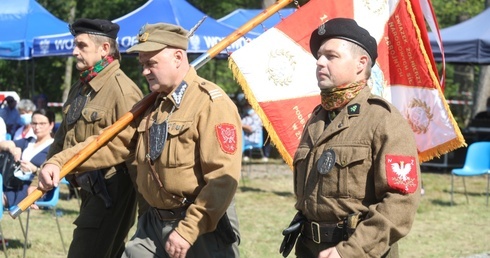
291	234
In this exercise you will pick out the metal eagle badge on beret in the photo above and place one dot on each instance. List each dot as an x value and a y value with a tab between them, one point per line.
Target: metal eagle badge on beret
326	162
76	108
158	137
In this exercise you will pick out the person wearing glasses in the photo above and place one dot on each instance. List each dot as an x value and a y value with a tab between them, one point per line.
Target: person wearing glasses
31	152
356	169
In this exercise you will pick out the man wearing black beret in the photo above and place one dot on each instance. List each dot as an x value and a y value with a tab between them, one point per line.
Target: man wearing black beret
356	169
99	98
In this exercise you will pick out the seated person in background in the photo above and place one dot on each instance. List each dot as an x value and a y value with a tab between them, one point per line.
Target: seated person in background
25	108
10	114
31	152
252	128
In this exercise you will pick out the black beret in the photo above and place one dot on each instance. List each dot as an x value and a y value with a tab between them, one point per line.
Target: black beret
347	29
96	26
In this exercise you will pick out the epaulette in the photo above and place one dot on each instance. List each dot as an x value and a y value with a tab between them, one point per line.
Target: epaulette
213	91
377	100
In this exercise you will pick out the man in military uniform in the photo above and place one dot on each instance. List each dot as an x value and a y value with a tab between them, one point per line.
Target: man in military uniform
188	149
99	98
356	170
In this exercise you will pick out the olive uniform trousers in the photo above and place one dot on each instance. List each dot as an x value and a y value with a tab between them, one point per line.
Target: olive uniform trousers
100	231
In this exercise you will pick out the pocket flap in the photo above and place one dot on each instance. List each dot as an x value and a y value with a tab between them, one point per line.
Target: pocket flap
92	114
347	155
176	127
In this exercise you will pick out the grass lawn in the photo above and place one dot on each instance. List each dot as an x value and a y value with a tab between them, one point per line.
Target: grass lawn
265	207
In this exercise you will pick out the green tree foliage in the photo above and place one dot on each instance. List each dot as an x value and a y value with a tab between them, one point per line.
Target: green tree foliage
45	75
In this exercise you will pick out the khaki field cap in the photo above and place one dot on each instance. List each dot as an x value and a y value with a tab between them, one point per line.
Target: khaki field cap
153	37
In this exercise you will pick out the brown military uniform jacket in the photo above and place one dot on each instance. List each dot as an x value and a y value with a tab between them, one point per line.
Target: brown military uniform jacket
368	136
111	95
201	159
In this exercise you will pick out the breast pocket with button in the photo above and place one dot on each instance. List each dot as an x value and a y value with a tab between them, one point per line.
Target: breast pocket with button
180	144
350	175
90	123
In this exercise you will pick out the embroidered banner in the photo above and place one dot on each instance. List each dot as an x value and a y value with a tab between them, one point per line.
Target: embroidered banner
277	72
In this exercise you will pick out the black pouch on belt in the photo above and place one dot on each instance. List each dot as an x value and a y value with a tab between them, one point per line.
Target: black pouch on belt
291	234
94	183
224	230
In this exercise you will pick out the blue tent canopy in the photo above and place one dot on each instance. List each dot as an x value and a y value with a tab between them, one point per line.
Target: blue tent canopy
466	42
239	17
20	22
169	11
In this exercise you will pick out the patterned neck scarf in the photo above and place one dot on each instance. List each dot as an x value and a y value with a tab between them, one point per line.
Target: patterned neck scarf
90	73
338	97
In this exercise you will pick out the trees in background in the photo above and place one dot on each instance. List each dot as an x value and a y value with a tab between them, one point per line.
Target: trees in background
53	75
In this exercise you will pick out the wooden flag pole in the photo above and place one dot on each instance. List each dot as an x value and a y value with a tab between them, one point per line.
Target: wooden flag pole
143	104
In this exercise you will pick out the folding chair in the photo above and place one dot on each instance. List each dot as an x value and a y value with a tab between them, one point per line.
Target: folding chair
477	163
49	201
250	148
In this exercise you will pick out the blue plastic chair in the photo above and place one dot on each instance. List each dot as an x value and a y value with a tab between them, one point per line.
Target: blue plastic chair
48	201
1	215
477	163
249	148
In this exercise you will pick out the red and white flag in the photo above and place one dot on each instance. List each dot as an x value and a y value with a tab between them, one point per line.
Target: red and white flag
277	72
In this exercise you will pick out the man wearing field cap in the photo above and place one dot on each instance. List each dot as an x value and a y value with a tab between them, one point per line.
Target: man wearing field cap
188	149
356	170
98	99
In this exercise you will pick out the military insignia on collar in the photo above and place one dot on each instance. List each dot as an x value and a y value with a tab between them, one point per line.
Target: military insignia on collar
227	137
401	173
354	109
178	94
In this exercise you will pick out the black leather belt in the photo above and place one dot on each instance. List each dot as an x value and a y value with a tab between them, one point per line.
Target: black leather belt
171	214
323	232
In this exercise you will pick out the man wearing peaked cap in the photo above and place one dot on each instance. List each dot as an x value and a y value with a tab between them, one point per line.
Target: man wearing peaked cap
188	149
153	37
98	99
356	170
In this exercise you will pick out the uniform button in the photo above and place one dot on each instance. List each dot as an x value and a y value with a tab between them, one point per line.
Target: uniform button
340	125
203	83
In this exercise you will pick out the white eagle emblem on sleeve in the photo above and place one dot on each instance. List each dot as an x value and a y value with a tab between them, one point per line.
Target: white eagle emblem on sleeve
401	169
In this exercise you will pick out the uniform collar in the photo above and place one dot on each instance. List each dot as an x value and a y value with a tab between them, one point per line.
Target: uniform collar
177	94
354	108
101	79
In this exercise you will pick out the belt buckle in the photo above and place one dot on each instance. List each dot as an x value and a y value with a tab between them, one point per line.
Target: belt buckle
315	232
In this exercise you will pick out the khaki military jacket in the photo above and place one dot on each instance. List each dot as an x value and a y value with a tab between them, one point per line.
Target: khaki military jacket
201	158
374	147
111	94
